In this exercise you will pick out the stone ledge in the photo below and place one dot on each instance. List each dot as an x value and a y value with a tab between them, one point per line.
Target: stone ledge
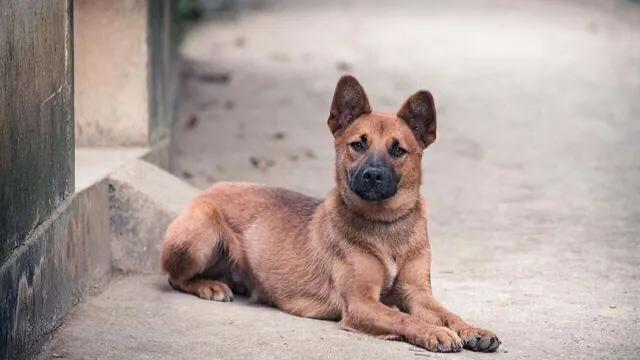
143	200
95	164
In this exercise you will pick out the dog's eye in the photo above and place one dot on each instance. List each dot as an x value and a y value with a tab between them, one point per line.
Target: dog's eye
397	151
358	146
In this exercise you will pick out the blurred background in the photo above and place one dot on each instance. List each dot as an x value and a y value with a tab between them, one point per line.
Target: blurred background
534	180
533	183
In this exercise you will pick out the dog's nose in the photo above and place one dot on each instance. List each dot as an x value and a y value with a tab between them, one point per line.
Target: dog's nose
374	181
373	175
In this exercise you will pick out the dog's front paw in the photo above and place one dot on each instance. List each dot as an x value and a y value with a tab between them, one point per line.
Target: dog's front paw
477	339
440	339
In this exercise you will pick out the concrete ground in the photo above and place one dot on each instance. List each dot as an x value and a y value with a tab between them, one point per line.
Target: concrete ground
533	183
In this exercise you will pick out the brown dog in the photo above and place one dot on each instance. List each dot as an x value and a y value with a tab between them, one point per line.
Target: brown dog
362	255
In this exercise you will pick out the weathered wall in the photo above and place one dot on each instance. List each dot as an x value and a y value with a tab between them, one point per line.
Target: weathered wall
123	72
162	70
36	115
36	168
67	257
111	85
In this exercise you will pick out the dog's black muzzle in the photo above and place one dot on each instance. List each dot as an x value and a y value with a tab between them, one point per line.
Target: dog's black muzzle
374	180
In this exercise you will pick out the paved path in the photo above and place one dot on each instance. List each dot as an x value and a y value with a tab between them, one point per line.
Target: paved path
533	183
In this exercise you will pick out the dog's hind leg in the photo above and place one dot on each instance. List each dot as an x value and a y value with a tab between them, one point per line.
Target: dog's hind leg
195	241
204	288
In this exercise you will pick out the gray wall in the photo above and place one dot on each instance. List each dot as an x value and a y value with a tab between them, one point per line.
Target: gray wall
162	72
36	116
36	169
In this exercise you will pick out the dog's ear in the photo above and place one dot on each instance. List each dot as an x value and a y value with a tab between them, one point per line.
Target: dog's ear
419	112
349	102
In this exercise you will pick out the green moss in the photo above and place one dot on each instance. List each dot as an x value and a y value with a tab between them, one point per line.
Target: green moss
189	10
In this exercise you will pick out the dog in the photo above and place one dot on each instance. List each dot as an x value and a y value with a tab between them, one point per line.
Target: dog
361	256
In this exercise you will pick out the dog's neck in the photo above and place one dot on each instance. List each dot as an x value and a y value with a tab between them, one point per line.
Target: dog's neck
379	216
391	233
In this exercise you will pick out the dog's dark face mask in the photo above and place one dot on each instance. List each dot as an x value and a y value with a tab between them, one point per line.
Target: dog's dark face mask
375	179
379	155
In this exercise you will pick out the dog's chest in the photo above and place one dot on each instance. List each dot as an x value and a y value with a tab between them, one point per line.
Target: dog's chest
391	271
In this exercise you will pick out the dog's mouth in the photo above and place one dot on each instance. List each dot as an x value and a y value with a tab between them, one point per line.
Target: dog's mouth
373	195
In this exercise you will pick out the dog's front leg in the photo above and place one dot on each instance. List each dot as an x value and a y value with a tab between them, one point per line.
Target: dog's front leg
363	312
414	285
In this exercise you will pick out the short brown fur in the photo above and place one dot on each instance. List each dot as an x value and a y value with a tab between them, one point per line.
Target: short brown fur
365	263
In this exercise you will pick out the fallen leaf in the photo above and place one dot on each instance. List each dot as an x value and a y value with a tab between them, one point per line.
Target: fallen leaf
191	122
279	135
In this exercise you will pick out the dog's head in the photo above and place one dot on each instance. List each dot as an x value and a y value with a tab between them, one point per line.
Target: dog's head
379	155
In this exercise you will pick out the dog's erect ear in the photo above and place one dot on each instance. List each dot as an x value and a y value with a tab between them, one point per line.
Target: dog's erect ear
419	112
349	102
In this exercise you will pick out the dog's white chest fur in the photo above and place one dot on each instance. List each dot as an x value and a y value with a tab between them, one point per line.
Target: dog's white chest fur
391	268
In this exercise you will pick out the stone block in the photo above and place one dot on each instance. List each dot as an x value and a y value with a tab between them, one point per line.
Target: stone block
143	200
